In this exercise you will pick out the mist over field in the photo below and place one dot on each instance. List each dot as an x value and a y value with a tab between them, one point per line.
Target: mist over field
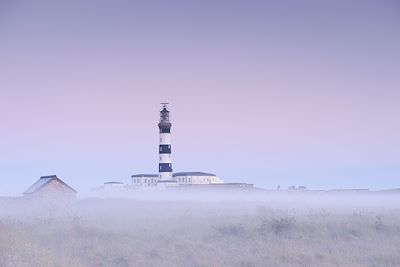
204	229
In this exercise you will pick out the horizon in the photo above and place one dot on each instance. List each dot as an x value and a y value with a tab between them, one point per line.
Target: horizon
268	93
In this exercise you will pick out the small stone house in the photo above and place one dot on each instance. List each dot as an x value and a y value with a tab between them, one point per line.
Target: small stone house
50	187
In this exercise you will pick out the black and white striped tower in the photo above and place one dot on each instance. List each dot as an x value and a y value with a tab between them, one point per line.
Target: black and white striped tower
165	164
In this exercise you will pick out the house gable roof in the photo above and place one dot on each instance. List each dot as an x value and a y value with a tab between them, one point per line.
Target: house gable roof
44	180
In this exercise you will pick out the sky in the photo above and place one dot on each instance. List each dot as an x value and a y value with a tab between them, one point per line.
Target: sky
264	92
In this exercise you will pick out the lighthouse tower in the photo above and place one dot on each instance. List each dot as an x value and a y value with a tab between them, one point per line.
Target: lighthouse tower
165	164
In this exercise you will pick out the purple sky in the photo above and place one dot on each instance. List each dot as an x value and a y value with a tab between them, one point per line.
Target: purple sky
265	92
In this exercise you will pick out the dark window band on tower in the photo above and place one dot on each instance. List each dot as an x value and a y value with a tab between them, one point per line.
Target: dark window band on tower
165	167
165	149
165	130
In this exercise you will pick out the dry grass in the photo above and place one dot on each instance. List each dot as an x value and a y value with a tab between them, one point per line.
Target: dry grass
96	232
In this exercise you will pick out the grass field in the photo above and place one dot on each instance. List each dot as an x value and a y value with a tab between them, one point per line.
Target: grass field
263	232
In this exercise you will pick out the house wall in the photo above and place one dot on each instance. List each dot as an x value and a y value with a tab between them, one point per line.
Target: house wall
201	179
111	187
143	181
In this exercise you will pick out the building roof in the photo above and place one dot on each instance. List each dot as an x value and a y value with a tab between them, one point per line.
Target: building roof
176	174
44	180
192	174
145	175
113	183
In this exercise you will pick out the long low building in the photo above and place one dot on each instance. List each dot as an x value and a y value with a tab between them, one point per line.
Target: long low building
196	178
145	180
181	178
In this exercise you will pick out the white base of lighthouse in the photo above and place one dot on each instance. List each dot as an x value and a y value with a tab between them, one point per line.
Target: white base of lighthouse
165	176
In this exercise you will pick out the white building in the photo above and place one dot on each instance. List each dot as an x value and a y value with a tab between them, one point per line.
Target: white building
180	178
113	186
193	178
145	180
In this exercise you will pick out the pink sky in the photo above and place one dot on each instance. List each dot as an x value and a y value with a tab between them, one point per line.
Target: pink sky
261	92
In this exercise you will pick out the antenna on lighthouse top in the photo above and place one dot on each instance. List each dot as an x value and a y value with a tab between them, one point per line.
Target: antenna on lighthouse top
164	104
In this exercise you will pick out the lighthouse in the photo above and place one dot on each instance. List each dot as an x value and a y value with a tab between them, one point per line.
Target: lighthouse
165	163
165	178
